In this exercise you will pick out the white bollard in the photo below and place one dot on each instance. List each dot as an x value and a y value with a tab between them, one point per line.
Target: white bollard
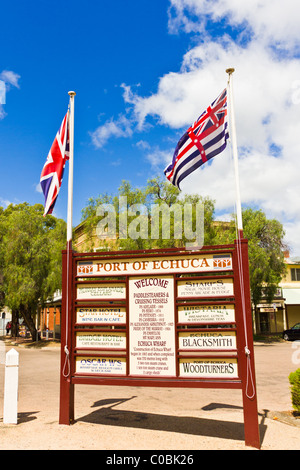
10	411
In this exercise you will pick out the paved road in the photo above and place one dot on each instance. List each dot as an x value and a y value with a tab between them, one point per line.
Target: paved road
114	418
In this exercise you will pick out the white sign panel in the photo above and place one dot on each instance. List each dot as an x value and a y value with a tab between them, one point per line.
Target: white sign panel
101	291
101	365
205	288
206	314
208	368
101	315
101	340
157	266
152	326
201	340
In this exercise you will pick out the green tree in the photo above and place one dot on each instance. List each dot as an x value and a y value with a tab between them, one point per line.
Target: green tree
265	236
266	251
30	259
162	192
154	216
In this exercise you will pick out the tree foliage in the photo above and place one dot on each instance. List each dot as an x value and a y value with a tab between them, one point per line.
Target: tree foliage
30	258
31	245
266	253
142	205
265	236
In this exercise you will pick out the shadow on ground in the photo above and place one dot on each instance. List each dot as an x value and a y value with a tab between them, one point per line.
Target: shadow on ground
108	416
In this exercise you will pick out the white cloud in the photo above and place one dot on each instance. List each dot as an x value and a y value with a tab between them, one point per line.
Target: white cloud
142	144
266	97
2	112
38	188
260	39
116	162
10	78
2	92
158	158
121	127
270	21
5	202
262	90
292	238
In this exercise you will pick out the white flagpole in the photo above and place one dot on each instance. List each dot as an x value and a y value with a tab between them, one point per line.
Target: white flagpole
242	268
66	366
71	161
235	154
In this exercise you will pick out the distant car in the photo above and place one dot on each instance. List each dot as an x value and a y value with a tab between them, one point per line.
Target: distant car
292	333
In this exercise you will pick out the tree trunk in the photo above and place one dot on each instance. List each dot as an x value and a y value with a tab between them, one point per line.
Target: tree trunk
14	323
30	324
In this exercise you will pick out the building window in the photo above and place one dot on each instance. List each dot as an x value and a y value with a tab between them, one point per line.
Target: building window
295	272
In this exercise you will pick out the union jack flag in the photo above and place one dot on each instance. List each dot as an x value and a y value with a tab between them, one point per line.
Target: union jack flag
205	139
53	170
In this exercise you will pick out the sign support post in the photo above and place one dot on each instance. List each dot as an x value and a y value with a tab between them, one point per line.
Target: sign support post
66	411
246	351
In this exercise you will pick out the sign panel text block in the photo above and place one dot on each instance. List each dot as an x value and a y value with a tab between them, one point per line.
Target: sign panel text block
152	326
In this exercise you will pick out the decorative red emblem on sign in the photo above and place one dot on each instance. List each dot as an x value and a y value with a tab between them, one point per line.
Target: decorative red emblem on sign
84	268
222	263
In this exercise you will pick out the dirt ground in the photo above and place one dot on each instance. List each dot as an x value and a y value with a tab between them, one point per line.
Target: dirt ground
135	418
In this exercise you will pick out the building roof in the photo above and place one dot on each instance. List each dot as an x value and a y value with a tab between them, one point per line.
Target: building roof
292	260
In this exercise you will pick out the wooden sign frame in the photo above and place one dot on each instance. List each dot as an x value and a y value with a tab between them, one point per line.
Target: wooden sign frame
215	354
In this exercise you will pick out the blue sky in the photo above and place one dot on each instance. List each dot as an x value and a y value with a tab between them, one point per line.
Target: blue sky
143	70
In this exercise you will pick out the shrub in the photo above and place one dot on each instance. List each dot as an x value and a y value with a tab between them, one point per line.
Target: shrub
294	379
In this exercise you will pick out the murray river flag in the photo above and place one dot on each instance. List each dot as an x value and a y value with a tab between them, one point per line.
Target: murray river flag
202	141
52	173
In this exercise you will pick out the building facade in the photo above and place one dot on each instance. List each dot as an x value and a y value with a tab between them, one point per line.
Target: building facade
49	318
284	311
291	291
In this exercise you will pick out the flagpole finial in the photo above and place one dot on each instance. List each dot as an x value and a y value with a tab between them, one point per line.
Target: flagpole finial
71	93
230	70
